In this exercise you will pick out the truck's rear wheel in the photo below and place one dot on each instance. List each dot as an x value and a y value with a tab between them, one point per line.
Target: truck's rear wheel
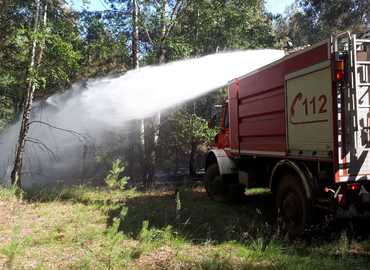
292	206
214	184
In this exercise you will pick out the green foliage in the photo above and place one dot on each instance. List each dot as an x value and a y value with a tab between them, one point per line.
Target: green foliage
15	248
310	21
218	25
159	236
114	179
192	128
68	55
113	255
105	45
6	110
62	61
333	16
184	136
200	130
10	193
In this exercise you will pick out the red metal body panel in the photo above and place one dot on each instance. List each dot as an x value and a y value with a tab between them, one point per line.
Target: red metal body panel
233	110
257	104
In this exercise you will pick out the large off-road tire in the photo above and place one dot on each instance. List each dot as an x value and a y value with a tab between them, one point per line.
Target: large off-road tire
214	184
292	206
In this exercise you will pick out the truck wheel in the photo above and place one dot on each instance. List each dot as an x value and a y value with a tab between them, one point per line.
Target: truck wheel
292	206
214	184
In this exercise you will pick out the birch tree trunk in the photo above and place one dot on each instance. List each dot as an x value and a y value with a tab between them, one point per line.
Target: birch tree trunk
28	101
135	34
164	21
152	124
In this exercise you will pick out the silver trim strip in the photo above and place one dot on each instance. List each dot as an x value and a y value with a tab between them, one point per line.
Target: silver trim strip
310	69
275	153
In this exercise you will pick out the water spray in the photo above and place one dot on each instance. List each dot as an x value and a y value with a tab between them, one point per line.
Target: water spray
106	104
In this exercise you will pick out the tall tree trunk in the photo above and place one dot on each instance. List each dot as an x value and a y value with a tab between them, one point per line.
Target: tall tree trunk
28	101
134	125
193	146
152	124
135	34
162	49
149	152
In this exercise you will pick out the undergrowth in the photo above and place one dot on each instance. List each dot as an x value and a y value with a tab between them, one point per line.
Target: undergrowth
85	227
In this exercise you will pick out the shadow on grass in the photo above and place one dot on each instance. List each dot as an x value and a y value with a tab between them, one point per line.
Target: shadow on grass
199	218
203	220
219	264
84	194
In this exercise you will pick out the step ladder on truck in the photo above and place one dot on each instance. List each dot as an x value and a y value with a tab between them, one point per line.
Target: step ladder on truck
353	128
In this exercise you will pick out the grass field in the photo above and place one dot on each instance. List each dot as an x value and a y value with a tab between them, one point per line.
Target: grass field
96	228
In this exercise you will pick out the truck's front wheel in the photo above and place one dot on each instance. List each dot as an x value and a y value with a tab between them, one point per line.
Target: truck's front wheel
214	184
292	206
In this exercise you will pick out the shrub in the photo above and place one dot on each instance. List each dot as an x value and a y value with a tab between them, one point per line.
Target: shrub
114	179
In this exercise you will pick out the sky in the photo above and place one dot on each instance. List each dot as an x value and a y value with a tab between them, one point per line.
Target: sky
274	6
278	6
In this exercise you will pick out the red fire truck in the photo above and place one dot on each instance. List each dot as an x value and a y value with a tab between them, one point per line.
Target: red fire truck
300	126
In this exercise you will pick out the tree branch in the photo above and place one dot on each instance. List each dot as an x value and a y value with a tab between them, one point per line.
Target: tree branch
174	15
80	136
145	28
42	146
